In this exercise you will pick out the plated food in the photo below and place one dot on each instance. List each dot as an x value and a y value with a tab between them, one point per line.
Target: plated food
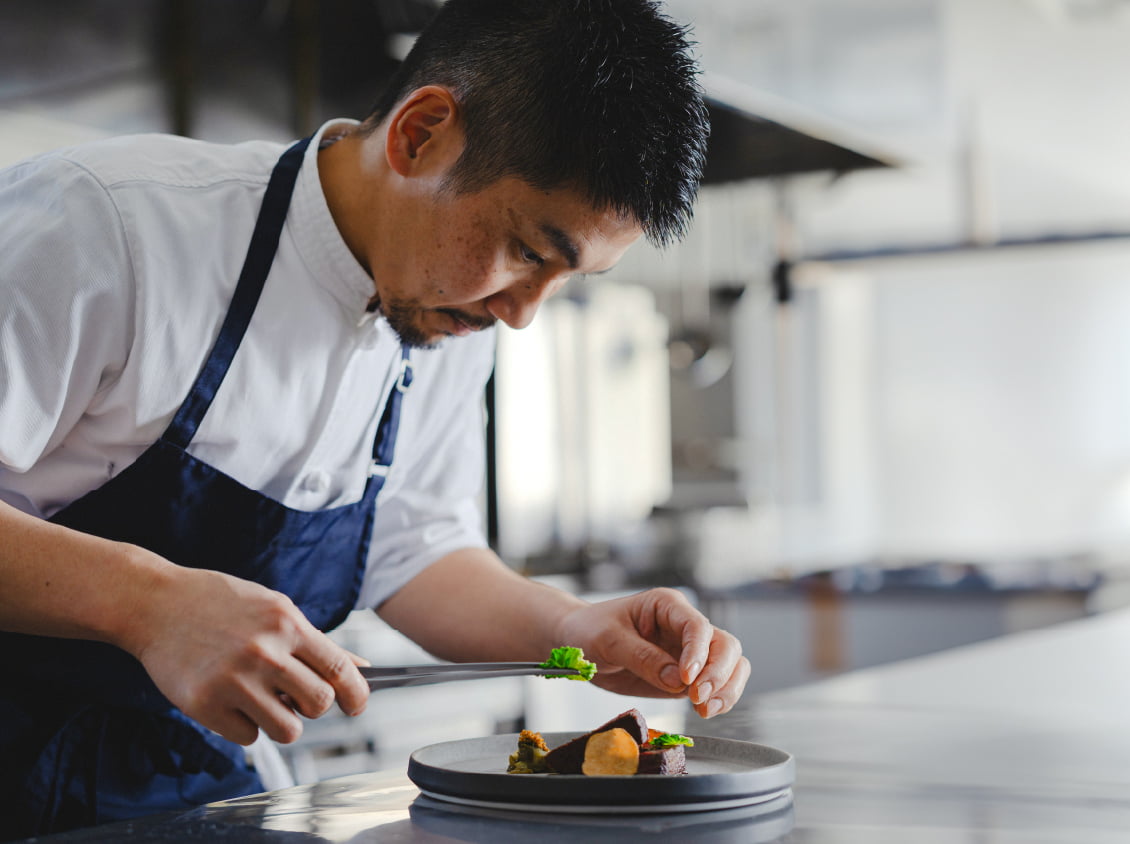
624	746
721	774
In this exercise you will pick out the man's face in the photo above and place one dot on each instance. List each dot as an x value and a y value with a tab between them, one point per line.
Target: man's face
469	260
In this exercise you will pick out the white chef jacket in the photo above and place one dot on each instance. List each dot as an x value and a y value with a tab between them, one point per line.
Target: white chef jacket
118	260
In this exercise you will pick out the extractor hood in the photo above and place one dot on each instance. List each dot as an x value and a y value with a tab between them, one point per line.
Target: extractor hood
755	135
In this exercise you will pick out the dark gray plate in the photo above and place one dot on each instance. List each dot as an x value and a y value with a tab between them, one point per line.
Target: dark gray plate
722	773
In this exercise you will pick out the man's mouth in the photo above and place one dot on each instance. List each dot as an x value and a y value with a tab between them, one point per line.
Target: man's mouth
464	323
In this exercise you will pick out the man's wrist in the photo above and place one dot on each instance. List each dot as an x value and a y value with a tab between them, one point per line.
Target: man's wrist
144	586
559	629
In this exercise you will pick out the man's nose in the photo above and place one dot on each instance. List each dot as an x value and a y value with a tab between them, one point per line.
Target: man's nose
517	304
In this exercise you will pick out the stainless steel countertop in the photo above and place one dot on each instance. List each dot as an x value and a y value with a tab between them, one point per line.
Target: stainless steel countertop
1021	739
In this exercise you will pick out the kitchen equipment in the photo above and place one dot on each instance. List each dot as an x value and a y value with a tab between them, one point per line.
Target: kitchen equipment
694	348
395	676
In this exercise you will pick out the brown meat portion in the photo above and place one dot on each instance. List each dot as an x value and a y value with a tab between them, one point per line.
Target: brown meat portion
670	761
569	757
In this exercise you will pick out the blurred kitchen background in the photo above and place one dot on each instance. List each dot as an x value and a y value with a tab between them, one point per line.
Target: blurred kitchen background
876	405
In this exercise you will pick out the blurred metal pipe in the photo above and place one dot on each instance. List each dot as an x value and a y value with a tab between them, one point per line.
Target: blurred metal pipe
176	36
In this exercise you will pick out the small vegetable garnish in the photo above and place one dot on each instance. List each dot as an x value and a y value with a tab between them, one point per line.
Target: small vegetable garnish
668	739
570	658
530	755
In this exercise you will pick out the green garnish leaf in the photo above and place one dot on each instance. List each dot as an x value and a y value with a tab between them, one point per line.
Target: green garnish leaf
668	739
570	658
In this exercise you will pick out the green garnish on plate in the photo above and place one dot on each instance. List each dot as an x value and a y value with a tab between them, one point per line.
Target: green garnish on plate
668	739
570	658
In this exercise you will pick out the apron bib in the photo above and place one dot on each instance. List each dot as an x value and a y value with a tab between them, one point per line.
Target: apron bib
85	736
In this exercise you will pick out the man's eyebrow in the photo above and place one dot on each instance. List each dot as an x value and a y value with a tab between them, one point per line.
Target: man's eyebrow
563	244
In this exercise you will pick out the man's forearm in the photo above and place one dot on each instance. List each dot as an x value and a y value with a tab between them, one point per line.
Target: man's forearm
232	654
55	581
470	606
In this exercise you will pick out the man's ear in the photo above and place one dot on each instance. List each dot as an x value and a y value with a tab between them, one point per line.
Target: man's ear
423	126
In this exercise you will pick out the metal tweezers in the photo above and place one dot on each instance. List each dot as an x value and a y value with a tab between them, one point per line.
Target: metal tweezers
393	676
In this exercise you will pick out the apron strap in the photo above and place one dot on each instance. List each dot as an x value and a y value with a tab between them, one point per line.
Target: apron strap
384	445
256	266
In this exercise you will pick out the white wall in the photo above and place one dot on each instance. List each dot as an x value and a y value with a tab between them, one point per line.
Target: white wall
1004	401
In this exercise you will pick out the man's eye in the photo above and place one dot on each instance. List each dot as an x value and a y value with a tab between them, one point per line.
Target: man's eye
530	255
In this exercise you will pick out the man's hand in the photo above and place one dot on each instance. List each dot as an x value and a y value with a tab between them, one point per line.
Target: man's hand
236	656
469	606
656	644
230	653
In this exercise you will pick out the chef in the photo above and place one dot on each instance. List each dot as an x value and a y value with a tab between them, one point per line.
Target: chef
240	396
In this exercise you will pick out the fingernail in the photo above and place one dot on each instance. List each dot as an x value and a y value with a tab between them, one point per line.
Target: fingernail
671	678
713	708
702	692
692	672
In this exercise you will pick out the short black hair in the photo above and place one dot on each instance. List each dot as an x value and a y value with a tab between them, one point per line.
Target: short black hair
598	95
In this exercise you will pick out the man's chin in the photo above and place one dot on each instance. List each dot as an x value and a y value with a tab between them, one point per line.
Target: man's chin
414	330
412	335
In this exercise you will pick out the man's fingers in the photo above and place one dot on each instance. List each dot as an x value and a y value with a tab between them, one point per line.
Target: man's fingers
305	691
652	663
233	725
239	657
275	718
710	663
723	699
336	666
697	635
647	654
677	618
725	670
359	661
657	643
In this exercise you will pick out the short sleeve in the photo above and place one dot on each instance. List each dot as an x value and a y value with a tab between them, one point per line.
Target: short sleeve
65	303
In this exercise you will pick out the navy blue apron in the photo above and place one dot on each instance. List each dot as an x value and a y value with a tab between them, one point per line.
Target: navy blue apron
85	736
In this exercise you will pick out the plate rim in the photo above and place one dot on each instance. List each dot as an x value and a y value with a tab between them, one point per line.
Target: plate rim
617	809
